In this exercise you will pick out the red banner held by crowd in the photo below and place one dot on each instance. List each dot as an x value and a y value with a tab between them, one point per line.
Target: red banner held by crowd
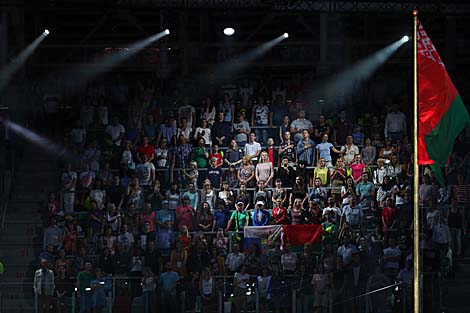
298	235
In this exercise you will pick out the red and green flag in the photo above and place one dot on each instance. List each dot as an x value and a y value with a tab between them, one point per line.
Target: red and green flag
442	114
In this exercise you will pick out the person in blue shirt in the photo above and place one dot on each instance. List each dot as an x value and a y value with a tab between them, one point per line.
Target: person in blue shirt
306	148
221	216
167	282
165	239
98	297
260	215
324	150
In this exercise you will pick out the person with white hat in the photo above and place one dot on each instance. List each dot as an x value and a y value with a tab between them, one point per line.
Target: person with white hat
260	215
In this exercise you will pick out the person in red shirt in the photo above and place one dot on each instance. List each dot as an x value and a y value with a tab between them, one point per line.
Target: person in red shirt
273	155
219	155
185	214
147	149
280	213
389	215
148	216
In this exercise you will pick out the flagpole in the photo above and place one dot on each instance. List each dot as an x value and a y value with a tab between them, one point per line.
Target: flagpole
416	219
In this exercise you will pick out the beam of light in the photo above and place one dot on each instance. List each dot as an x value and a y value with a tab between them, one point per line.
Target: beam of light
230	68
41	142
9	70
86	72
335	89
405	38
229	31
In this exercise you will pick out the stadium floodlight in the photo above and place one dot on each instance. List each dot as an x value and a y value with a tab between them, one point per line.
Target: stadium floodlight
46	32
405	38
167	31
229	31
286	35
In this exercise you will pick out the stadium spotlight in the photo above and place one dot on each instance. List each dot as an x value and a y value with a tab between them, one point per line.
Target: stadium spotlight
167	31
286	35
46	32
405	38
229	31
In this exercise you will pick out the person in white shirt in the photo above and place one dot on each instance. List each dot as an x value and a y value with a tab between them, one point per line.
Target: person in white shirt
115	131
391	257
335	212
395	124
349	150
240	280
253	148
352	213
188	112
299	124
347	250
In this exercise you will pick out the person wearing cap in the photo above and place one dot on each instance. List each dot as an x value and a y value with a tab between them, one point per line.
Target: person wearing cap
240	217
260	215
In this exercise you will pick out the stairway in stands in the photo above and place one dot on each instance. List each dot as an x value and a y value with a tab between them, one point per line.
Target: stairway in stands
21	239
457	295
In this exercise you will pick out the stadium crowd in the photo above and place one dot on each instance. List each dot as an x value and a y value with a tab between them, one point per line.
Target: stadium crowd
158	202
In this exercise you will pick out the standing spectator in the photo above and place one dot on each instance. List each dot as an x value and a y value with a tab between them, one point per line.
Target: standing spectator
204	220
69	180
306	148
287	149
214	173
342	128
185	214
241	131
115	131
200	154
147	149
208	110
333	211
164	239
162	162
260	215
150	127
235	259
288	260
322	284
352	214
455	221
264	170
389	216
84	279
261	118
441	237
240	281
240	217
209	195
392	258
395	124
321	128
168	283
78	136
299	125
221	216
377	281
228	108
368	152
204	132
168	131
149	286
98	293
365	190
253	148
44	286
53	235
221	132
188	112
184	130
324	149
349	150
387	150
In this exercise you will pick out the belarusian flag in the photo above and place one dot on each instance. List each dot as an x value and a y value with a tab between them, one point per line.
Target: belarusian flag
442	114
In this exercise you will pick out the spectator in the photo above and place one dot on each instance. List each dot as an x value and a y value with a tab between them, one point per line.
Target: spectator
200	154
179	259
322	284
204	219
228	108
387	150
188	112
299	125
246	172
152	258
233	155
221	132
352	214
389	216
385	191
358	136
365	190
98	296
184	130
305	148
322	172
283	128
164	239
318	194
321	128
53	235
203	132
241	131
394	169
342	129
264	170
162	161
392	258
173	196
235	259
191	175
150	127
261	118
347	251
168	130
209	195
288	260
221	216
106	262
349	150
220	243
324	149
368	152
278	193
240	281
218	154
147	149
78	135
455	221
168	283
214	173
69	180
226	195
287	149
112	218
84	279
357	168
333	211
208	110
348	191
115	131
126	238
44	286
253	148
240	217
149	286
395	124
441	237
70	233
260	215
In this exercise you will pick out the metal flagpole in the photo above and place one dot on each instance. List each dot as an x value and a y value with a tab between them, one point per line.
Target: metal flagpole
416	220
